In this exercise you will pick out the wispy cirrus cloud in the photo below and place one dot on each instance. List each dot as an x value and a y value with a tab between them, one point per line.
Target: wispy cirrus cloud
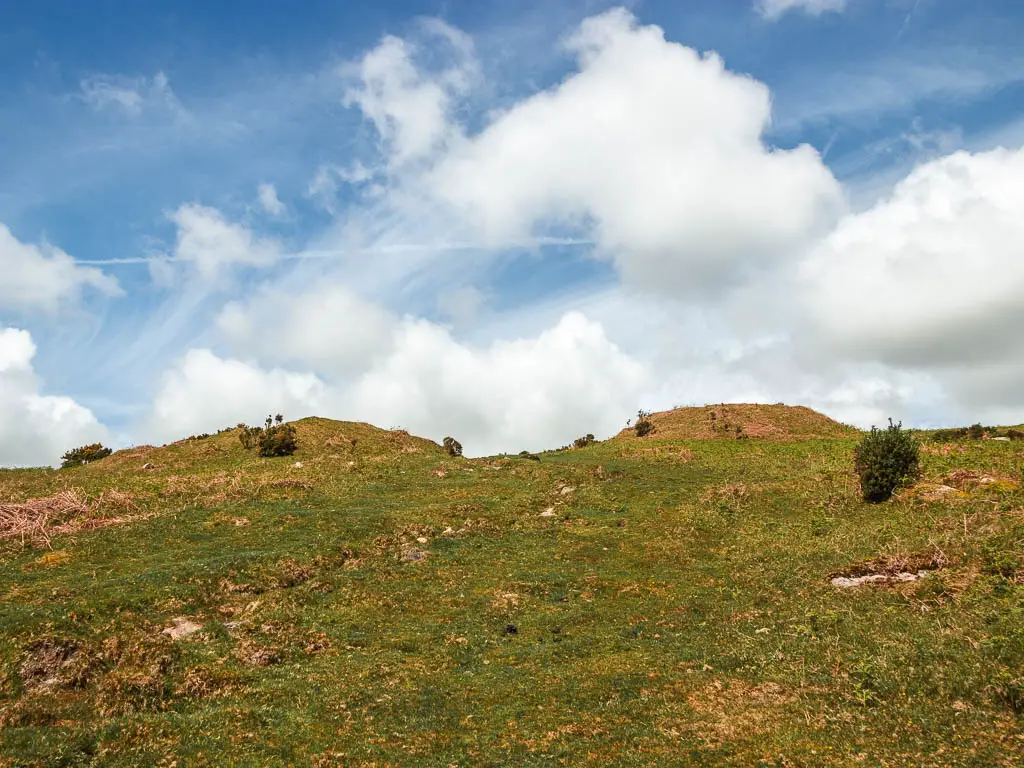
775	9
130	95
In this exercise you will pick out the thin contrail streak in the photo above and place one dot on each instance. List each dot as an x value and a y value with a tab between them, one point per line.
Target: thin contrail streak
381	249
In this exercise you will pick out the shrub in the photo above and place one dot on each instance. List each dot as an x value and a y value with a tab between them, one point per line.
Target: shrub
975	432
453	446
85	454
885	460
274	438
528	455
1015	434
949	435
643	426
583	442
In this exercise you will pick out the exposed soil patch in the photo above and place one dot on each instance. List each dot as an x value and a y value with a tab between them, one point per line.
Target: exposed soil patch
891	569
50	664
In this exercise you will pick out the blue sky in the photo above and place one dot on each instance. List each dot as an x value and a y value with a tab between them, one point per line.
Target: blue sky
225	161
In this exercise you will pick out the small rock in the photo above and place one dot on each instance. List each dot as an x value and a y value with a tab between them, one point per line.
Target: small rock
413	555
241	521
182	627
1002	439
422	539
567	490
549	512
845	582
297	465
147	465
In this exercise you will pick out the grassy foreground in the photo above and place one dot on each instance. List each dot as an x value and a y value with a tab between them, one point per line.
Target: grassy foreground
635	603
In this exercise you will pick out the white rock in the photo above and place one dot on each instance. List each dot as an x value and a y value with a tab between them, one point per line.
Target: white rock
845	582
182	627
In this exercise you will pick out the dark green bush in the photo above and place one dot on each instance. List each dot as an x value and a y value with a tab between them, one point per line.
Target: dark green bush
949	435
453	446
274	438
1015	434
583	442
886	460
643	426
975	432
85	454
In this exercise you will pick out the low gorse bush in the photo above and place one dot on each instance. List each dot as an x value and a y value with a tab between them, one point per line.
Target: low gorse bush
583	442
452	446
84	454
644	426
886	459
973	432
274	438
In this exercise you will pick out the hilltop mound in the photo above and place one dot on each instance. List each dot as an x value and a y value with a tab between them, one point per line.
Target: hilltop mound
317	438
729	421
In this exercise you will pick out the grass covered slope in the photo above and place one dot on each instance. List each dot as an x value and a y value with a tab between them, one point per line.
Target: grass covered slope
743	420
646	602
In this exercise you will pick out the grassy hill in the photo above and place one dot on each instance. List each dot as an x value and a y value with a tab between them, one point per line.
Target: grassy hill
743	420
656	601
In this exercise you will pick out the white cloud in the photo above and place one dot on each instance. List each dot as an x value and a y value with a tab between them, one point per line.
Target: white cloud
659	149
774	9
36	429
328	328
42	277
931	278
212	243
933	274
204	392
409	106
269	200
130	95
511	395
526	394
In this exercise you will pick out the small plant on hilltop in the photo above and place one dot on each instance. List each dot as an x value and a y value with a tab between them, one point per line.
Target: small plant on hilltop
85	454
583	442
453	446
644	426
274	438
886	460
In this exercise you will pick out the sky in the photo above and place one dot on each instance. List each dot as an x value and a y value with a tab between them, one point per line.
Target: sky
512	223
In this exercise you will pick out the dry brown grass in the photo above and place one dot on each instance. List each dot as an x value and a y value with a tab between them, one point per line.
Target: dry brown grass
33	519
738	710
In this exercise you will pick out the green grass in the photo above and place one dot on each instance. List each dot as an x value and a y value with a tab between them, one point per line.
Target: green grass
675	610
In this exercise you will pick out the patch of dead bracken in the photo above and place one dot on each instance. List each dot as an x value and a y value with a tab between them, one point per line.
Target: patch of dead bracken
36	521
33	520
